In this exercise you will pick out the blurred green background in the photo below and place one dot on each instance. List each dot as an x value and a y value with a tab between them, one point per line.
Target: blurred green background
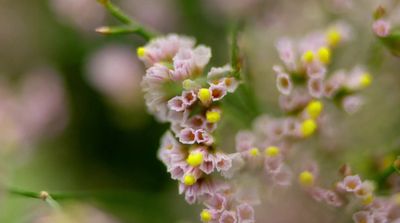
107	150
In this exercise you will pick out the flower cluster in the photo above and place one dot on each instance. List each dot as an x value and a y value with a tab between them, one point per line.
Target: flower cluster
177	91
305	74
351	189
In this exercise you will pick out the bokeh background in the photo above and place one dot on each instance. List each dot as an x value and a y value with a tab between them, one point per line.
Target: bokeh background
72	117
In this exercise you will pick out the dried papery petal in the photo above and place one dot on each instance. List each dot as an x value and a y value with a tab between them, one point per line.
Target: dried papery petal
176	104
283	177
187	136
223	162
217	202
237	164
244	141
196	122
202	136
273	164
316	70
228	217
286	53
315	87
216	73
217	92
201	56
284	83
189	97
208	164
332	198
245	213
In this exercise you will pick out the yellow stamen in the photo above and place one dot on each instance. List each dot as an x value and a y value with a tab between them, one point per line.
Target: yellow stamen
204	95
189	180
333	37
205	216
324	55
140	51
314	108
365	80
308	56
195	159
306	179
308	127
213	116
254	152
272	151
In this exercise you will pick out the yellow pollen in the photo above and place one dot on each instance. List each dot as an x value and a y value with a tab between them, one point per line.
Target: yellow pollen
306	179
195	159
254	152
324	55
314	108
333	37
308	56
205	216
204	95
365	80
308	127
213	116
272	151
189	180
140	51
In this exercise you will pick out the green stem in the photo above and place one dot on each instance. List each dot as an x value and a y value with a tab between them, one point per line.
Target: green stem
131	25
116	12
46	197
126	29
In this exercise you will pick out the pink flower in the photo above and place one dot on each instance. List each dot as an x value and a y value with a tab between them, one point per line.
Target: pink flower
245	213
351	183
381	28
363	217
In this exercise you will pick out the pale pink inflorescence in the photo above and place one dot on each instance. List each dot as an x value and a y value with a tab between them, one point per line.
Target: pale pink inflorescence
177	91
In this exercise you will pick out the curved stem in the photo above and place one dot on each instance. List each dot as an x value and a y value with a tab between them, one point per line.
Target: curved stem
131	25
